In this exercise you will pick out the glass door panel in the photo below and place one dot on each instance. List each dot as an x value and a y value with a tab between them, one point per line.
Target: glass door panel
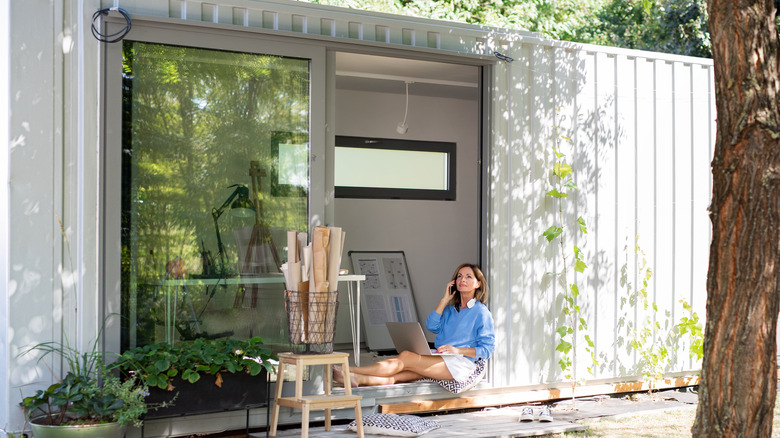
215	169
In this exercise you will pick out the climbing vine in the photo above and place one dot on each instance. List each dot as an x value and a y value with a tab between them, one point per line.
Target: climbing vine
562	182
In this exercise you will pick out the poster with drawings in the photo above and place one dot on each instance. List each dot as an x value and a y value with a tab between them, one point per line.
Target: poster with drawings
386	294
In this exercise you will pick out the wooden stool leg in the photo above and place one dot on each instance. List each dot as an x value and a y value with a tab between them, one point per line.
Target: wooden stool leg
305	421
359	419
277	396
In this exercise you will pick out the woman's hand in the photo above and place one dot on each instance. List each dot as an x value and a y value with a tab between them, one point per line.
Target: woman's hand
445	300
448	349
447	294
465	351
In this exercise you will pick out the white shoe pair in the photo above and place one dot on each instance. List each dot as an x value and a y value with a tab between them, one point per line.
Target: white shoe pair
527	414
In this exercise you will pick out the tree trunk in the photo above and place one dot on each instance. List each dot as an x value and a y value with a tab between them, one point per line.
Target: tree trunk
739	372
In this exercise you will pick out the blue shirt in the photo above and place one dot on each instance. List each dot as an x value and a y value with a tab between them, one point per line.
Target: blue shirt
464	329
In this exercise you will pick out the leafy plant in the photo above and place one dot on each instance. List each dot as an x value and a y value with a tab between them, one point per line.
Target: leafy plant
652	340
647	338
562	181
157	364
693	328
87	394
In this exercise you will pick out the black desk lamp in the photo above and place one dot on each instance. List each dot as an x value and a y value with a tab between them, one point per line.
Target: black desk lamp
241	207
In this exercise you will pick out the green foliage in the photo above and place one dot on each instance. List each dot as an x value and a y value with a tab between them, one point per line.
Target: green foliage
653	341
88	394
693	328
157	364
669	26
562	180
646	338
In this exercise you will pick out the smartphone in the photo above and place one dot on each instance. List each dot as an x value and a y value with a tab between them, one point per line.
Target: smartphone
453	289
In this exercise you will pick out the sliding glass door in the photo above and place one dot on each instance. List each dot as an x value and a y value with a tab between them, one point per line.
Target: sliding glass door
215	153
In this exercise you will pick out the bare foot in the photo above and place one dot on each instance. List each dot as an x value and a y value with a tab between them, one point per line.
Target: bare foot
338	376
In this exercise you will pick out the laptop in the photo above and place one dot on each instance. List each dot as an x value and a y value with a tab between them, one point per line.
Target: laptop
409	336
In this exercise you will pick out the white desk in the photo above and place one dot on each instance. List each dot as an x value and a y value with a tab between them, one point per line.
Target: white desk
354	312
354	304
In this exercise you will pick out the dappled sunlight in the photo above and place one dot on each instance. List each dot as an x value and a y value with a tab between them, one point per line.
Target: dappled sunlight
581	97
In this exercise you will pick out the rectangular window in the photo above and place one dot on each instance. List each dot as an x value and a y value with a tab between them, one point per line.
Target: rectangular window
209	188
394	169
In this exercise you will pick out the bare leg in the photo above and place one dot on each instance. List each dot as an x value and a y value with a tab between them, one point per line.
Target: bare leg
406	367
403	376
338	376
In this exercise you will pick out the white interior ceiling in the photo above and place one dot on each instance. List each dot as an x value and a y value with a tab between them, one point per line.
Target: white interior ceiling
388	75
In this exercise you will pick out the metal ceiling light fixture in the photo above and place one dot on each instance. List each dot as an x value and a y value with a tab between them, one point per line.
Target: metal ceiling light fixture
403	127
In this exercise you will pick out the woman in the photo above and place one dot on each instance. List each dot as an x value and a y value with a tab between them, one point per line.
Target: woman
464	330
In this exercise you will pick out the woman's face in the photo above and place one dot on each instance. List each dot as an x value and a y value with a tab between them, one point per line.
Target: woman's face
465	280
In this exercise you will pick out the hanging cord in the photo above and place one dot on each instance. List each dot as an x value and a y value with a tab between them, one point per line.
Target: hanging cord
402	127
406	110
114	37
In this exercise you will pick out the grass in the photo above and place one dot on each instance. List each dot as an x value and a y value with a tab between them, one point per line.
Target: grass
655	424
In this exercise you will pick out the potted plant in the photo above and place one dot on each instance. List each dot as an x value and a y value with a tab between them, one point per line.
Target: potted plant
88	401
224	374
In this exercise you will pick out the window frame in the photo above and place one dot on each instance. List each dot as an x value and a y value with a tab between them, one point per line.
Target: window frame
449	148
110	123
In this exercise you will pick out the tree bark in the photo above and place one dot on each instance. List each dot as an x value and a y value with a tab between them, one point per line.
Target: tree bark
739	373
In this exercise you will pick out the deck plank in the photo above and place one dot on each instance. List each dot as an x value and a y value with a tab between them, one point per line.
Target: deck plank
495	423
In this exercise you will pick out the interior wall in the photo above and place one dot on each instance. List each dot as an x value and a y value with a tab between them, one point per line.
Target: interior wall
436	236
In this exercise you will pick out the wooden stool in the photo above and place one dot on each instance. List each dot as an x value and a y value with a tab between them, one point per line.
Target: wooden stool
322	401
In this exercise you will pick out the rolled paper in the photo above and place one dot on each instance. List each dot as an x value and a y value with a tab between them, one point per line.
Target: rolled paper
306	265
302	300
318	303
294	274
320	243
303	242
334	259
297	324
292	246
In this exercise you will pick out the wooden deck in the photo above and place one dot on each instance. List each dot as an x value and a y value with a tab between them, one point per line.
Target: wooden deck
492	423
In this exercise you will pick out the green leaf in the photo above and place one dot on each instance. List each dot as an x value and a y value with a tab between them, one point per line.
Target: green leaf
580	266
561	169
556	194
557	154
571	185
564	347
581	223
162	365
566	138
552	232
575	291
589	341
563	331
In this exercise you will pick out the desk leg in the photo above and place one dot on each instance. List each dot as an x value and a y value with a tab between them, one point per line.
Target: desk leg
357	324
279	383
327	384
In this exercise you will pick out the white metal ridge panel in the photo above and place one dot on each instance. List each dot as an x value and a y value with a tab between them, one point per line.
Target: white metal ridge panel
328	21
358	25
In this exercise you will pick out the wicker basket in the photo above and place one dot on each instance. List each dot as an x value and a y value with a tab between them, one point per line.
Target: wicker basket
311	319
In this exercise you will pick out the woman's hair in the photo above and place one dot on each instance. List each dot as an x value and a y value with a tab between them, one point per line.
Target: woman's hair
481	293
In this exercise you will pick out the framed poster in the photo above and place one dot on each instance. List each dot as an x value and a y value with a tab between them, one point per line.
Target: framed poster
386	294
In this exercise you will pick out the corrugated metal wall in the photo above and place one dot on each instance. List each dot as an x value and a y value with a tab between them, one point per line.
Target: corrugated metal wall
642	130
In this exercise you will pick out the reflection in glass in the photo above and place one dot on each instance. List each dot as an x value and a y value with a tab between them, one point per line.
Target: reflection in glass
203	210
